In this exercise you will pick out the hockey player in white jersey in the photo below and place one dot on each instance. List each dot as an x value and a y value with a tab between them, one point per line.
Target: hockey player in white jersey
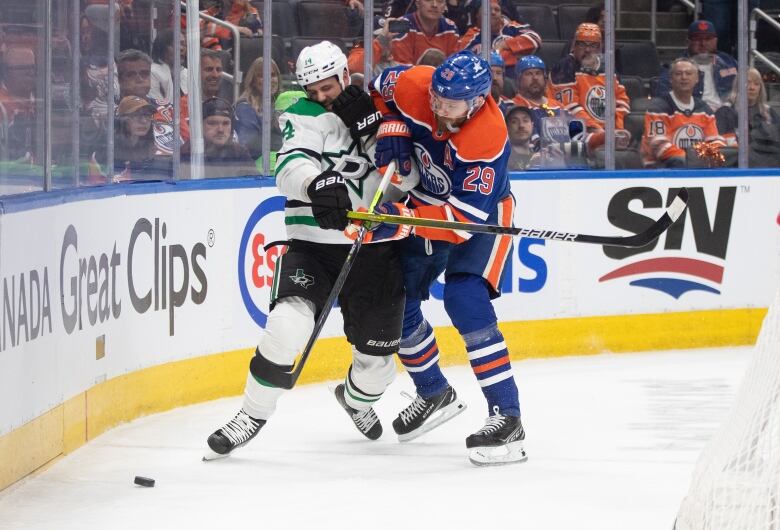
325	168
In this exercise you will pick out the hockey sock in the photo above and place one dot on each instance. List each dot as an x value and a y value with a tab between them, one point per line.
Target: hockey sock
367	379
419	354
467	302
489	360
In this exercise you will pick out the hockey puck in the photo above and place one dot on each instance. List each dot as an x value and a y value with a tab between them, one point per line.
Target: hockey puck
144	481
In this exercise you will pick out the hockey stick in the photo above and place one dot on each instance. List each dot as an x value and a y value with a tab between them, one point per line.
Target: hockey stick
277	375
672	213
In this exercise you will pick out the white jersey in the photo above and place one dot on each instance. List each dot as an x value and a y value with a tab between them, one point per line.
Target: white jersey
316	140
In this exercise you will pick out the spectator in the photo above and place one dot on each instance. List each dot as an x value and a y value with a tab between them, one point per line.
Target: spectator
18	103
223	156
134	70
210	73
578	83
763	123
520	126
499	82
723	14
532	85
718	70
678	120
383	60
459	11
163	56
552	125
249	109
135	153
432	57
428	28
241	14
511	39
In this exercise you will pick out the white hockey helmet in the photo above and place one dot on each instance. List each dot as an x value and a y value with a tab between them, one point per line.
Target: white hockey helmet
321	61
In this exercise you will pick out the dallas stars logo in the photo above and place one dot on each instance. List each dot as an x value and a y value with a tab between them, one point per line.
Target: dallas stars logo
302	279
352	163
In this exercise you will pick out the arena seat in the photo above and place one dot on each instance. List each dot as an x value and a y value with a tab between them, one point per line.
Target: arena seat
324	19
635	87
569	17
252	48
639	58
552	51
283	18
540	17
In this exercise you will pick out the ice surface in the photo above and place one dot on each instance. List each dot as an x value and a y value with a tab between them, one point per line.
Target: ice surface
612	441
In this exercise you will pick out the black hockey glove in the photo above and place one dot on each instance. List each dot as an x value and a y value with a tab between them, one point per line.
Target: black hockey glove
356	109
329	200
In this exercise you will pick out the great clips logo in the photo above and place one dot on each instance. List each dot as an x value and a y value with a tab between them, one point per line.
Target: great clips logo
672	269
256	265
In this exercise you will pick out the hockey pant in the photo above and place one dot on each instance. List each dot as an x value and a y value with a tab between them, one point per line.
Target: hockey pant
467	302
288	328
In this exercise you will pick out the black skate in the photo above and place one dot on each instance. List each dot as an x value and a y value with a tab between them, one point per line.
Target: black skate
366	421
426	414
236	433
499	442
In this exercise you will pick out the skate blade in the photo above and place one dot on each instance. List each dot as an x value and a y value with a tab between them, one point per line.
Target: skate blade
513	453
211	455
441	416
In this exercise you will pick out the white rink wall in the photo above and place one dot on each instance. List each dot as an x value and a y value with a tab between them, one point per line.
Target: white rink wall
104	282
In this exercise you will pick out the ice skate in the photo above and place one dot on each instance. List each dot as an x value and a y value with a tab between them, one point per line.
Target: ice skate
236	433
366	421
499	442
422	415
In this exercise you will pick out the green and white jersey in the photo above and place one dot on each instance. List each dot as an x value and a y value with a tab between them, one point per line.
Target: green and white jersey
316	140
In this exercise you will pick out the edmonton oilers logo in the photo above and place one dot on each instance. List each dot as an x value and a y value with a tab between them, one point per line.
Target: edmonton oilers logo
688	136
594	102
433	178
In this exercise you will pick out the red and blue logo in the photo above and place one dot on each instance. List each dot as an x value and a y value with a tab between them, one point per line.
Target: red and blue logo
256	265
678	270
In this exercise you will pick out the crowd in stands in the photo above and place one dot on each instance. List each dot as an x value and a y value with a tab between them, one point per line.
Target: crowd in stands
555	105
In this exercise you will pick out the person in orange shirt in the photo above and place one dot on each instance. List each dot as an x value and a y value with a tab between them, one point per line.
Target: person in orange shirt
578	83
510	38
678	120
428	28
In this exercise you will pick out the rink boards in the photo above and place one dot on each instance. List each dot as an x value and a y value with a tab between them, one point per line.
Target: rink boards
127	300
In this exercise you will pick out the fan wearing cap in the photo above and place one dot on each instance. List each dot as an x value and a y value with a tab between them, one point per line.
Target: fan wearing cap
717	70
578	82
135	152
223	156
510	38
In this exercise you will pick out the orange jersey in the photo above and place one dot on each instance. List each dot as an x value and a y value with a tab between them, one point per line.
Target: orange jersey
583	95
670	130
548	103
407	48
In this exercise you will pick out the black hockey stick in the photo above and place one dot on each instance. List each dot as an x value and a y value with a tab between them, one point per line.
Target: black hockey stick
672	213
277	375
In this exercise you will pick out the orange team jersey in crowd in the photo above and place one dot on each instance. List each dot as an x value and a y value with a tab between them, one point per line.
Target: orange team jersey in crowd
523	102
462	174
520	40
407	48
585	97
680	128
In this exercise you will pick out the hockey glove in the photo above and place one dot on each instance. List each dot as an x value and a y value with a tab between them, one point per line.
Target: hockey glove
329	200
356	109
384	231
394	142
